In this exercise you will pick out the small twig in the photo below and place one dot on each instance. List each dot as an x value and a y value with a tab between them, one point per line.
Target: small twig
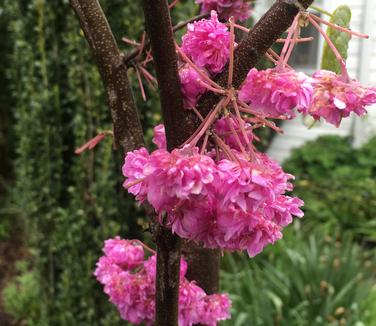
231	60
140	83
177	27
172	4
188	21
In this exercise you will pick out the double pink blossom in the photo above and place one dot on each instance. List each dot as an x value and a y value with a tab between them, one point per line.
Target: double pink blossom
173	177
336	96
191	87
246	210
239	9
207	43
133	169
229	128
277	92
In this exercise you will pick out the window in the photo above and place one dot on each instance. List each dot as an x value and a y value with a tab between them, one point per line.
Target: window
305	56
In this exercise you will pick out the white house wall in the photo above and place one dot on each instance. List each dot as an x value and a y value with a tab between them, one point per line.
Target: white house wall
366	127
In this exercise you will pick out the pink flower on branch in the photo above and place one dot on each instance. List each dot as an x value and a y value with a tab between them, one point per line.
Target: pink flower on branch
207	43
336	96
277	92
191	87
133	169
233	205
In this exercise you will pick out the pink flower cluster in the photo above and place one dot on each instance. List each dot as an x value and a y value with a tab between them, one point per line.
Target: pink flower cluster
230	130
275	92
335	97
239	9
129	281
226	204
207	43
190	86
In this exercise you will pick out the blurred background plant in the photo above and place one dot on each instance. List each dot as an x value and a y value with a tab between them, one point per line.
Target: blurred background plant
56	209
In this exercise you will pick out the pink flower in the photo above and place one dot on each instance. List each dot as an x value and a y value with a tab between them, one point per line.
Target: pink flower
207	43
216	307
335	97
283	210
239	9
190	87
133	170
191	302
159	138
133	291
273	92
225	128
176	176
124	253
245	208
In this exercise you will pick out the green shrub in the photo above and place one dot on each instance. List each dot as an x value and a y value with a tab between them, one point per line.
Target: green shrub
338	185
21	296
68	204
303	281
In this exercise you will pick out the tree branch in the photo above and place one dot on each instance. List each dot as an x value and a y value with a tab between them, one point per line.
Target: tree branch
159	29
127	127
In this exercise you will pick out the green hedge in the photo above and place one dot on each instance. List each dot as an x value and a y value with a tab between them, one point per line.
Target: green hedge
303	280
338	185
67	204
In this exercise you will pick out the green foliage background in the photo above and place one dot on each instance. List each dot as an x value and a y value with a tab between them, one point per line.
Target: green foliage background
68	204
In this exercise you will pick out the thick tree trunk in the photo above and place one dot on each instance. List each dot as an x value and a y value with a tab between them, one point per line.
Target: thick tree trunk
159	29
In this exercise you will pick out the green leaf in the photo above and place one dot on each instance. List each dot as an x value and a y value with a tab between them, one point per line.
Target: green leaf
342	17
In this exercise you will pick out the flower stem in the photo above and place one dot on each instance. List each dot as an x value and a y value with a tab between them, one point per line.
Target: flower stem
339	28
231	61
206	124
331	45
140	83
197	69
321	10
241	122
288	43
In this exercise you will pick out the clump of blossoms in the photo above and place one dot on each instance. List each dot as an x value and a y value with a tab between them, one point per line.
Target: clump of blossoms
239	9
277	92
207	43
129	281
335	97
191	86
233	205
